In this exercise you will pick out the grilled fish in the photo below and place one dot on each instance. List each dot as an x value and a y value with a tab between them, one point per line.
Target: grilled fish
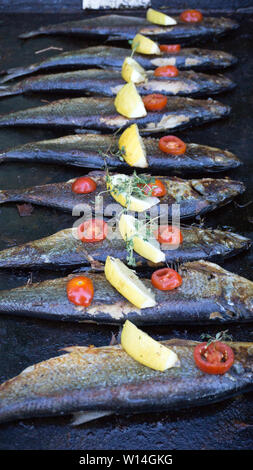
100	113
126	27
62	250
109	82
106	380
208	294
195	196
96	151
107	56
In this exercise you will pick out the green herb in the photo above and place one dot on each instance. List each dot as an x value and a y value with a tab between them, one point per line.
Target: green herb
130	249
221	336
134	48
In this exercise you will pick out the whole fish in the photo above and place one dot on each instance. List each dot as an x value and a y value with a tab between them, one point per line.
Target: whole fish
208	294
98	151
63	249
195	196
126	27
109	82
106	380
100	113
107	56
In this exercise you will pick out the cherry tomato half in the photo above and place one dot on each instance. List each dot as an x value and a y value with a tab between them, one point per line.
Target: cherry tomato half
172	144
154	102
166	279
170	48
84	185
216	358
156	189
80	291
92	230
166	71
169	234
191	16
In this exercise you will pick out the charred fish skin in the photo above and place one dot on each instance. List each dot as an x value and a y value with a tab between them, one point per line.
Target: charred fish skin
195	196
97	151
62	250
100	114
76	382
209	294
109	82
107	56
126	27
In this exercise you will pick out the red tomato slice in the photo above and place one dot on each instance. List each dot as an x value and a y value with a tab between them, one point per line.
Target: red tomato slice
191	16
166	279
172	144
80	291
84	185
170	48
166	71
169	234
216	358
154	102
92	230
156	189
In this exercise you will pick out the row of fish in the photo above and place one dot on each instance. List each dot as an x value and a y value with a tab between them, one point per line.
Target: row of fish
75	382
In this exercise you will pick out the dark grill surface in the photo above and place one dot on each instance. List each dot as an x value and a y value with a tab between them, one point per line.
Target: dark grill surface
227	425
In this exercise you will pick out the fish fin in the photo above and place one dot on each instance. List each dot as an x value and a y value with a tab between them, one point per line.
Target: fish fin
18	72
82	417
28	35
113	38
75	349
7	91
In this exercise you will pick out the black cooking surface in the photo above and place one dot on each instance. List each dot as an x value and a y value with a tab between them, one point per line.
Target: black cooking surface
227	425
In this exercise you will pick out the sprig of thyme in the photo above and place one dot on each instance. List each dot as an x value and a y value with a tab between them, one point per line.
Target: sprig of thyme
221	336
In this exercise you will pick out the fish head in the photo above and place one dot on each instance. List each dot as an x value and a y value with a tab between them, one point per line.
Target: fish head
218	190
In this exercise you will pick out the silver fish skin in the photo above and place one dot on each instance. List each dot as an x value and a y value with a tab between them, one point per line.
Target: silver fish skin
97	151
113	57
109	82
195	196
106	379
208	294
100	114
63	250
126	27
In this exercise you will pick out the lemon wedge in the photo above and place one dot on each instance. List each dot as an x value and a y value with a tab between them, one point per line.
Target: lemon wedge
159	18
146	350
145	45
120	186
129	103
128	284
132	71
132	147
143	244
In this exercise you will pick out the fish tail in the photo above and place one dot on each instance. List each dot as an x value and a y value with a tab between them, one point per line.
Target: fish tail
8	91
10	74
5	196
28	35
